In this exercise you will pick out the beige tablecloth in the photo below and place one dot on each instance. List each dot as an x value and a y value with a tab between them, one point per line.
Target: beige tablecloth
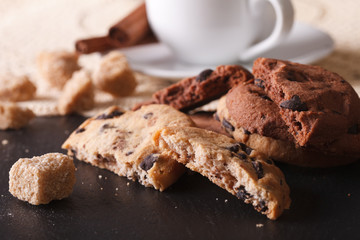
28	27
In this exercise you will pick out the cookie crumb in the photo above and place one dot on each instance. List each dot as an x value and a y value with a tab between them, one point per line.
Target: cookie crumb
27	150
175	206
226	200
128	184
101	188
259	225
5	142
217	199
117	189
115	194
105	178
100	176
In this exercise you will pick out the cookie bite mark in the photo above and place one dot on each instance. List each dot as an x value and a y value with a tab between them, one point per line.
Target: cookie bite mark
222	160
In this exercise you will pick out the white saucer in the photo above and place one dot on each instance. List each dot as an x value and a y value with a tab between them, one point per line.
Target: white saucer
305	44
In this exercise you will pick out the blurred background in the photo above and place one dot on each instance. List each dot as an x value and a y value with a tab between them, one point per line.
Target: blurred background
27	27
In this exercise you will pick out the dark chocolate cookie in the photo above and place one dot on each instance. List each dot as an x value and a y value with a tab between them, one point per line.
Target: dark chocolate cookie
208	85
319	107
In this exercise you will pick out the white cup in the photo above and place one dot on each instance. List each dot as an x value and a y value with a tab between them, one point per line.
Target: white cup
219	31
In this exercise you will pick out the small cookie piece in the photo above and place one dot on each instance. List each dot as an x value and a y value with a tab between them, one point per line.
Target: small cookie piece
319	107
39	180
16	88
230	165
121	142
256	121
208	85
57	67
114	75
77	95
14	117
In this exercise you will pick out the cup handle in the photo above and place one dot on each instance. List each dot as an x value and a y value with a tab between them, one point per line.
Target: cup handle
284	20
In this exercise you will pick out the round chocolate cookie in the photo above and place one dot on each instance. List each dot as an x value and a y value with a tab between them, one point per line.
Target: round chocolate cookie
319	107
251	117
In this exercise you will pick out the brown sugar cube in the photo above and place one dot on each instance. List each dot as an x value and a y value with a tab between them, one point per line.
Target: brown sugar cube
77	95
14	117
16	88
57	67
114	75
39	180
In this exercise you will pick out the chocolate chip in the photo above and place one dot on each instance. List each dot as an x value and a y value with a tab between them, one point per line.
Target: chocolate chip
228	125
234	148
113	114
79	130
353	129
148	115
149	161
266	98
294	104
242	193
258	169
245	148
74	152
216	117
241	156
269	161
259	82
342	81
106	126
203	75
247	132
129	153
262	206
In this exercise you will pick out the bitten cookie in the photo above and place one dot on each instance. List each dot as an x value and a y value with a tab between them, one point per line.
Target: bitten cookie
56	67
14	117
16	88
77	95
121	142
319	107
114	75
228	164
39	180
196	91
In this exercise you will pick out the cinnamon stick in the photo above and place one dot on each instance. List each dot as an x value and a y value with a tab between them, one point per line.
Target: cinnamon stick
130	29
96	44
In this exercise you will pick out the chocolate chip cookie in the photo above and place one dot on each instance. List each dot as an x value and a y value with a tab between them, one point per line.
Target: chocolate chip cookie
319	107
255	120
208	85
121	142
229	164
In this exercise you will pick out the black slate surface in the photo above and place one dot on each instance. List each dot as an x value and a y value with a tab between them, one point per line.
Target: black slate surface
325	202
